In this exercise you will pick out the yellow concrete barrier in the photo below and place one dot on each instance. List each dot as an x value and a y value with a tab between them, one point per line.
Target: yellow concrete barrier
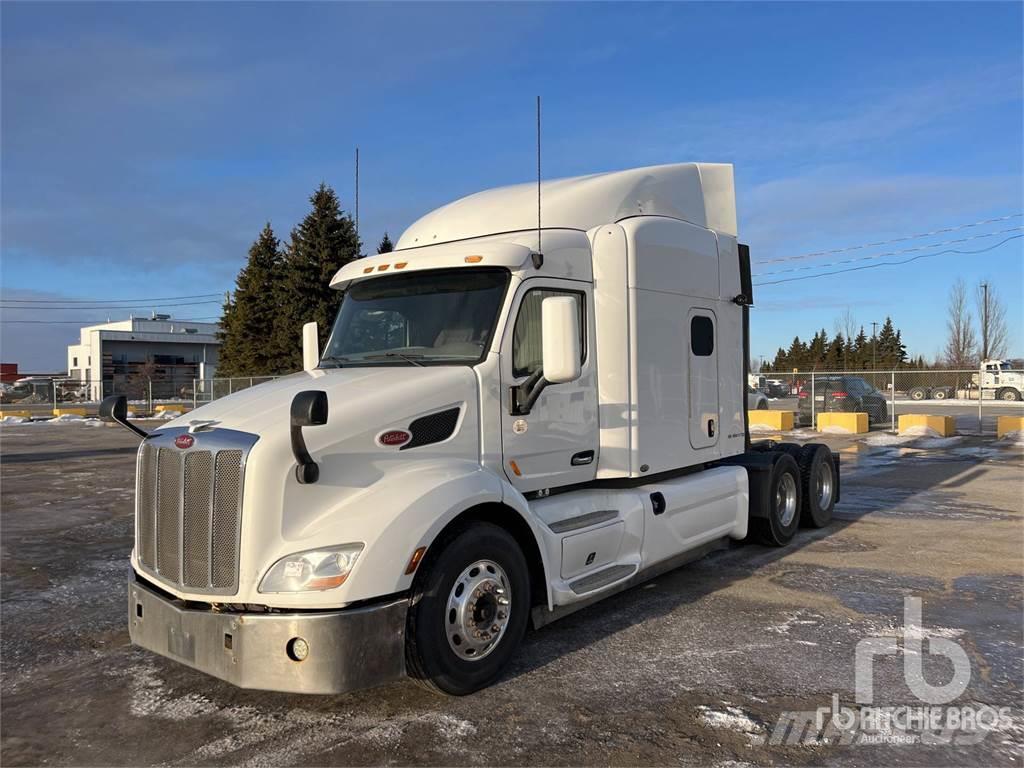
944	425
781	420
21	414
69	412
172	407
854	423
1007	424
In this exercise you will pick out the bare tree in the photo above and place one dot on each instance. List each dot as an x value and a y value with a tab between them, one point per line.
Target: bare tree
961	344
846	324
992	319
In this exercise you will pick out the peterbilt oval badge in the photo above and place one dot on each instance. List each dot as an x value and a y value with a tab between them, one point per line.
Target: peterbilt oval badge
394	437
184	441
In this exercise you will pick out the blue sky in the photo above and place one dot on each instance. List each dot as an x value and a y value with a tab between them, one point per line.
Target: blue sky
144	145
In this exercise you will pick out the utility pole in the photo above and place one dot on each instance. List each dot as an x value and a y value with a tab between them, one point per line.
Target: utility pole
874	344
984	321
357	197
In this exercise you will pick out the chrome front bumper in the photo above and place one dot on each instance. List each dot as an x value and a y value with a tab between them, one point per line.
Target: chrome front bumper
348	649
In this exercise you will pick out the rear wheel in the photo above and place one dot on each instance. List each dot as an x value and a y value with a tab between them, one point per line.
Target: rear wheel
469	611
918	393
818	485
1008	394
942	393
778	528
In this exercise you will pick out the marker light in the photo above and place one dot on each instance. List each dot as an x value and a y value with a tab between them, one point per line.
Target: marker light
368	270
401	265
414	561
383	267
515	468
298	649
314	570
474	259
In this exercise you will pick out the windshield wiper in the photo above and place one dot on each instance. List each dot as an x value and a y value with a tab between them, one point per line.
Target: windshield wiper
337	359
408	358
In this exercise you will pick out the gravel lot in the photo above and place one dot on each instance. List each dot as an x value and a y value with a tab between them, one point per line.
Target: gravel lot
695	667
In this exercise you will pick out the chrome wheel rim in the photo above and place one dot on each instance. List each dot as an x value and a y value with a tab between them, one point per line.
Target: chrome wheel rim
785	499
823	485
478	610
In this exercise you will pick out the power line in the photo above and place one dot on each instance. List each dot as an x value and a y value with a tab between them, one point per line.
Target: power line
904	239
105	301
100	322
3	305
889	253
891	263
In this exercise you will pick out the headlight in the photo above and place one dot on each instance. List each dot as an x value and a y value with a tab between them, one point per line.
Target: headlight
317	569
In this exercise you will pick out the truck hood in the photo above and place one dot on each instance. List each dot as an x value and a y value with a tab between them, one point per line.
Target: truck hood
358	393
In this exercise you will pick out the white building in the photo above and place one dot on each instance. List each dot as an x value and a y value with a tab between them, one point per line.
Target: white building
113	357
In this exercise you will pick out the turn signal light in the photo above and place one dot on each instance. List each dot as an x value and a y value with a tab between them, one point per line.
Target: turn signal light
414	561
515	468
474	259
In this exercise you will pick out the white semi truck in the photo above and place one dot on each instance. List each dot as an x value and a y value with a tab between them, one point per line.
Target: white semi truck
506	425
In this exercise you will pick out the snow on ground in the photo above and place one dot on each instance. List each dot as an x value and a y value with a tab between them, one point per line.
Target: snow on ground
13	420
958	402
167	415
922	437
1012	438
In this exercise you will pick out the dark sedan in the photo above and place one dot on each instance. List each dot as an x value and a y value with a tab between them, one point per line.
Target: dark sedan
851	394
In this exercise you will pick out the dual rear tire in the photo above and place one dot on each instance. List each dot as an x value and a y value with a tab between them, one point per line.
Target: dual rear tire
802	490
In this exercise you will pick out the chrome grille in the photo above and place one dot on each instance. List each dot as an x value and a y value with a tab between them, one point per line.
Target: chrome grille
188	509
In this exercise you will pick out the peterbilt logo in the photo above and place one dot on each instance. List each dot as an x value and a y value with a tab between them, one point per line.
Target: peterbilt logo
393	438
184	441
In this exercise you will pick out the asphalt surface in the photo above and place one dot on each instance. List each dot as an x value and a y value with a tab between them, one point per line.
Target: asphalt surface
695	667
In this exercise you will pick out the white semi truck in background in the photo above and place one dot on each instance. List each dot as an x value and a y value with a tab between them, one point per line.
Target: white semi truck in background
506	425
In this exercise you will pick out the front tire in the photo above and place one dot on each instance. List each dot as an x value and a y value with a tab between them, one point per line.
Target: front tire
1008	395
468	612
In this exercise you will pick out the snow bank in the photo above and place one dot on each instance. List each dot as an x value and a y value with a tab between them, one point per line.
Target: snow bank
166	415
1012	438
754	428
13	420
921	436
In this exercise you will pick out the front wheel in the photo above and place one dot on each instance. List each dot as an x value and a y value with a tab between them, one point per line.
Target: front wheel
469	609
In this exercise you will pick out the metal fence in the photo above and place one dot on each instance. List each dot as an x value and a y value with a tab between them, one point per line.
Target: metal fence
973	397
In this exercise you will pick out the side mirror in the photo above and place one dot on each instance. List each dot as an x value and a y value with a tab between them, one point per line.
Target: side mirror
310	346
560	352
309	409
115	409
560	337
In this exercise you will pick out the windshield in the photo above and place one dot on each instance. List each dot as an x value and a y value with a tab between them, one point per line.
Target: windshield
443	316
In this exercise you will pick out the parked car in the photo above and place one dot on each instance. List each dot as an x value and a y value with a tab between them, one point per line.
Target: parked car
756	401
776	388
850	394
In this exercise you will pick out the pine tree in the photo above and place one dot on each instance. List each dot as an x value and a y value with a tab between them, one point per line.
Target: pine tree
861	350
835	353
816	351
890	349
385	245
247	325
320	245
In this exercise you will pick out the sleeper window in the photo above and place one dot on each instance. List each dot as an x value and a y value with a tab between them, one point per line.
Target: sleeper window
702	336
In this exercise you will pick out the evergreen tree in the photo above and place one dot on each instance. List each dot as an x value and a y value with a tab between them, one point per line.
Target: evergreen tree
385	245
320	245
890	349
861	351
816	351
247	326
835	353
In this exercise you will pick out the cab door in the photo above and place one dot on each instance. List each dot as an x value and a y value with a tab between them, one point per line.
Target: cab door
556	443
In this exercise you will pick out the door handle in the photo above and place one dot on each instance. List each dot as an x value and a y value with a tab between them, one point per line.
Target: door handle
711	427
582	458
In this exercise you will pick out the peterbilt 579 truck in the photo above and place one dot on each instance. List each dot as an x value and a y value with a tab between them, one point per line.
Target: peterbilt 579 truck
506	424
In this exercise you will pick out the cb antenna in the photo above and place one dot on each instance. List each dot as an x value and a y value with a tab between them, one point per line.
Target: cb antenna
538	257
357	202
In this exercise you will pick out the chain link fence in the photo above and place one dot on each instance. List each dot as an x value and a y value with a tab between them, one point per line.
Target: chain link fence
975	398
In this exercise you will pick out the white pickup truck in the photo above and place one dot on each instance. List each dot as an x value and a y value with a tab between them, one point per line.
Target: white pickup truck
500	430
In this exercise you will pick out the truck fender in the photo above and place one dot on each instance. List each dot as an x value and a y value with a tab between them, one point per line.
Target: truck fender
420	505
